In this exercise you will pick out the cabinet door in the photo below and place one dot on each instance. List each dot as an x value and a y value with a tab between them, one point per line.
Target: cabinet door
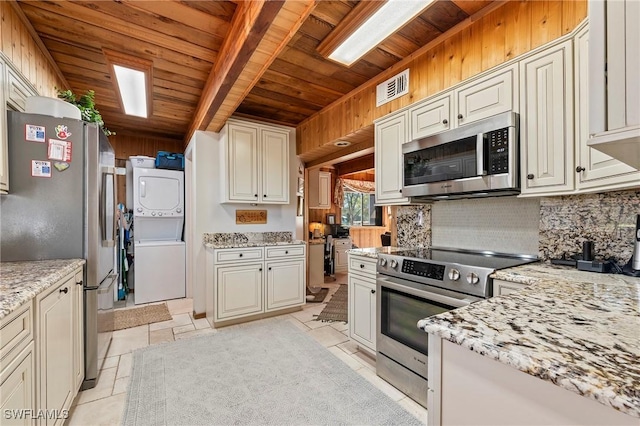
430	118
275	166
500	288
546	121
362	311
487	96
17	91
600	170
4	144
390	135
285	284
238	290
78	333
324	190
55	348
341	259
17	390
242	161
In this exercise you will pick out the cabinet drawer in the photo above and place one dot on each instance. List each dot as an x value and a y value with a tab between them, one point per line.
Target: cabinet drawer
362	265
284	251
342	243
238	255
16	329
501	288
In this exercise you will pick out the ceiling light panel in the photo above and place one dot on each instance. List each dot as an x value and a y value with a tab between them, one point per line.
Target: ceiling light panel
133	90
384	22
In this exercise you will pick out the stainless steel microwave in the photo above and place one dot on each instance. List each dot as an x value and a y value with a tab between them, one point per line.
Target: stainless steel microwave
476	160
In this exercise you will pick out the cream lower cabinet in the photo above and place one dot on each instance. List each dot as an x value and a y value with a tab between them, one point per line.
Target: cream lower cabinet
253	281
78	332
362	301
501	288
341	260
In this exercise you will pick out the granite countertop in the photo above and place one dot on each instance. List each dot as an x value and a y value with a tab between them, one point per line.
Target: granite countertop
253	244
576	329
22	281
373	252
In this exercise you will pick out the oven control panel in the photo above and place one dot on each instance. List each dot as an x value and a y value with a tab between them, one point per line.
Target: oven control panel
423	269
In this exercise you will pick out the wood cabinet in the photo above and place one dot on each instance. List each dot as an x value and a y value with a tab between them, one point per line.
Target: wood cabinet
546	122
55	347
319	189
596	169
245	283
256	163
340	258
431	117
500	287
390	134
614	66
486	96
362	301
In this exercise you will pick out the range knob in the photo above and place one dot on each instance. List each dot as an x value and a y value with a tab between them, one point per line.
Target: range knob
383	262
472	278
159	213
454	274
153	213
139	209
394	264
178	210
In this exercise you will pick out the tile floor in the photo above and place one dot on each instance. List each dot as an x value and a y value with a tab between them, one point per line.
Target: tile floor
103	405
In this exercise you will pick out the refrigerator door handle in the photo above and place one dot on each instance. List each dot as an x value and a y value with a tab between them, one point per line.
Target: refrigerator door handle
108	207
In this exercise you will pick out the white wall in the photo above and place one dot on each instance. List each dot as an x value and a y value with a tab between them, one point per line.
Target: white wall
206	151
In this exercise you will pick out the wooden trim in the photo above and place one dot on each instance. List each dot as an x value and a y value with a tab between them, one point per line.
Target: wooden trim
249	24
348	25
139	64
36	38
199	316
365	162
348	153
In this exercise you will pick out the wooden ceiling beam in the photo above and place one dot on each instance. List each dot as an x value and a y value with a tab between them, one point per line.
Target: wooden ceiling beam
249	24
344	154
366	162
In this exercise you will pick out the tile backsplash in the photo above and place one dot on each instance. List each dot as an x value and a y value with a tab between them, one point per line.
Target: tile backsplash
607	219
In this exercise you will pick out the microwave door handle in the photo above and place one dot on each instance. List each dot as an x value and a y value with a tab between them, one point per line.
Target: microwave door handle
480	170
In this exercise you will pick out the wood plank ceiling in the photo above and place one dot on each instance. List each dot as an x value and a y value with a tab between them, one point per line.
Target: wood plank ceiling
183	40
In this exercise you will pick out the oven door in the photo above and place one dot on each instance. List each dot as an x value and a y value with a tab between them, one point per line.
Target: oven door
400	305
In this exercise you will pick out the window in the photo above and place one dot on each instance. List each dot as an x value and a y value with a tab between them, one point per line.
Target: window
358	209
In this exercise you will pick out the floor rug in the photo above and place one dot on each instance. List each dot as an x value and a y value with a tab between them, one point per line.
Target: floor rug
336	309
262	373
317	297
133	317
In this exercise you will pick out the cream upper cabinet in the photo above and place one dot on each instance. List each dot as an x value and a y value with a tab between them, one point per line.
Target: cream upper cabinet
614	86
487	96
257	164
391	133
4	143
17	91
431	118
319	196
595	168
275	166
546	120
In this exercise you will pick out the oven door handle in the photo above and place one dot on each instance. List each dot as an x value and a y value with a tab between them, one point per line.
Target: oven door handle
425	294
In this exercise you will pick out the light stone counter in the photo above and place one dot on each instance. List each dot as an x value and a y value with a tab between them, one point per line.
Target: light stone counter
578	330
373	252
22	281
220	240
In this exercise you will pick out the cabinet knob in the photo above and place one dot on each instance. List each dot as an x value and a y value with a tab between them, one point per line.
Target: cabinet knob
286	252
269	267
261	269
362	265
460	116
64	290
530	176
580	169
255	195
373	292
240	254
264	196
80	282
445	121
400	191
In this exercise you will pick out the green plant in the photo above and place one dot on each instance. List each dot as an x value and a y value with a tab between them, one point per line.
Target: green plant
87	106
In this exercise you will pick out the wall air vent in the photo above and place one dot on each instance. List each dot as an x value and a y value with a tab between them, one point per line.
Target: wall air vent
393	88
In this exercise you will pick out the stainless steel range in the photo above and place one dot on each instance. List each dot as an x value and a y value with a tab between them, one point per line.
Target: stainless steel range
415	284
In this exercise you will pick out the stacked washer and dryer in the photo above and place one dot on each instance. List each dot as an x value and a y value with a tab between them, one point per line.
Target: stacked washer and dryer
156	197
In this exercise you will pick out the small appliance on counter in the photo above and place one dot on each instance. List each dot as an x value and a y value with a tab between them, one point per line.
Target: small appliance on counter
339	231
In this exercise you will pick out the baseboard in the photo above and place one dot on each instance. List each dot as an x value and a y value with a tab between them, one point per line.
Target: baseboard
200	315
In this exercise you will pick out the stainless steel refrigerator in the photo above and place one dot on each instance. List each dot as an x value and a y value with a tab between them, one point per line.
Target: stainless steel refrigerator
61	205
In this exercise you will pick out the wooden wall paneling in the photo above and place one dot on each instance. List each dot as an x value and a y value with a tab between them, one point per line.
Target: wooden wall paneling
502	32
367	236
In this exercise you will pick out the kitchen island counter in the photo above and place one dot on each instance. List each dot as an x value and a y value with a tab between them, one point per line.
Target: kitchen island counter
20	282
575	329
